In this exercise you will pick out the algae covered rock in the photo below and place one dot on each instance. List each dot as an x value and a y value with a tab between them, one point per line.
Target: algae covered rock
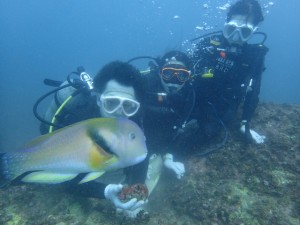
248	183
241	183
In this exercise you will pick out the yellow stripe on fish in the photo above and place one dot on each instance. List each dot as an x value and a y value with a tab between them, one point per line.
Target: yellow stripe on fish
99	158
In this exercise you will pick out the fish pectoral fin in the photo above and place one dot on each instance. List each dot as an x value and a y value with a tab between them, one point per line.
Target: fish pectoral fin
91	176
48	177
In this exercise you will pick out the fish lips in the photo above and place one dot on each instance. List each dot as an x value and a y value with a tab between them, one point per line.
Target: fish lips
129	161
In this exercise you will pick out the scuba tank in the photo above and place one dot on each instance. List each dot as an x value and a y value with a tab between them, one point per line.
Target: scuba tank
77	82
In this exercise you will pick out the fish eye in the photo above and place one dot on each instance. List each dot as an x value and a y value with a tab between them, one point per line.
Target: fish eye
132	136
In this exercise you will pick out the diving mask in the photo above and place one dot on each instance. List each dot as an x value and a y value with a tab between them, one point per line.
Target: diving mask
182	74
235	32
111	104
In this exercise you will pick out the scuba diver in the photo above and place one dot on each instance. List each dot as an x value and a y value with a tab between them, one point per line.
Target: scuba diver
228	71
169	101
119	91
116	91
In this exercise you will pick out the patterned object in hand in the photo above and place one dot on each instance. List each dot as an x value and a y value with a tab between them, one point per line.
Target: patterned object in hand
138	191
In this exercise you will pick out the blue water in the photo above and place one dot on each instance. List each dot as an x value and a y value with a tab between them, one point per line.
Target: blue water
50	38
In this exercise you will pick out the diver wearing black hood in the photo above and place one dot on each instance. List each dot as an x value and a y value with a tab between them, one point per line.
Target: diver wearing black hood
116	92
169	98
228	70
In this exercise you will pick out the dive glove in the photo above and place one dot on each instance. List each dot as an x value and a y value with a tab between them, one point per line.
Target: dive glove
177	167
111	192
253	135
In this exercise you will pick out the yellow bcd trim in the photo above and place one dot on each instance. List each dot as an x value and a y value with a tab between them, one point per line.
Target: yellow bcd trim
209	74
213	42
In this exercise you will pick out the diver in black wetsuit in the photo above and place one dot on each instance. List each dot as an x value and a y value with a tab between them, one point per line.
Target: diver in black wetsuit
116	91
228	71
169	102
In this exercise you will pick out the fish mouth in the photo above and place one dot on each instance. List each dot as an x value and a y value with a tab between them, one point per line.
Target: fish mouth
140	158
130	161
121	162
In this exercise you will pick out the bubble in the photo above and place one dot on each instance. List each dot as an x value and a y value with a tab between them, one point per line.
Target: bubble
224	7
199	28
271	3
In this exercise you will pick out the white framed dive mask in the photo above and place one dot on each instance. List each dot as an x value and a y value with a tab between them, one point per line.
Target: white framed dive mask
238	32
111	104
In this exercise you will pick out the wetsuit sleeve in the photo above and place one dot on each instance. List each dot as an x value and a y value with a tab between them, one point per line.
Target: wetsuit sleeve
252	96
92	189
137	173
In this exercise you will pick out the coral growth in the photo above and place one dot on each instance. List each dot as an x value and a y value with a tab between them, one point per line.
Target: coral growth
138	191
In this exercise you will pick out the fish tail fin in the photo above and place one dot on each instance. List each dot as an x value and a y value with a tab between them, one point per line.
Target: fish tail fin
4	180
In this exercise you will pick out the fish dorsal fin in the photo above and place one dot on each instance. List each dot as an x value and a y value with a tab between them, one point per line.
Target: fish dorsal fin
48	177
91	176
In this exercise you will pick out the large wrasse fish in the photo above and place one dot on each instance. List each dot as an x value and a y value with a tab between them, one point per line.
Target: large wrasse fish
88	148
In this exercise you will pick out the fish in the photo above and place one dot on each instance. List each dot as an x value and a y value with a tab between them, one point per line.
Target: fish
88	148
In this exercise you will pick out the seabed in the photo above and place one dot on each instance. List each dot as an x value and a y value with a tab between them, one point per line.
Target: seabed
239	184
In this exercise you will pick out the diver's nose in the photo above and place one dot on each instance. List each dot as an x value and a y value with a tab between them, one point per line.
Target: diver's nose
120	113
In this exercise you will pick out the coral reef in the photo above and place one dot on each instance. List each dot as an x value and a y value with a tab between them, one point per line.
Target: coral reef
242	183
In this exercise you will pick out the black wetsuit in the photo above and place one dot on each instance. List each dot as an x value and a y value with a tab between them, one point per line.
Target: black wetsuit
165	114
224	77
82	107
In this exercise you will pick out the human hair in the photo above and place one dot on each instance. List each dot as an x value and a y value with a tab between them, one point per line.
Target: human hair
123	73
249	8
180	56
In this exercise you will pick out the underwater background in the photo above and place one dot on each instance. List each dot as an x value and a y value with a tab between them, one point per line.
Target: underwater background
238	185
51	38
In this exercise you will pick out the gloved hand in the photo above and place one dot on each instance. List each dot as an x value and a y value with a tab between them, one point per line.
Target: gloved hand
111	192
177	167
259	139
